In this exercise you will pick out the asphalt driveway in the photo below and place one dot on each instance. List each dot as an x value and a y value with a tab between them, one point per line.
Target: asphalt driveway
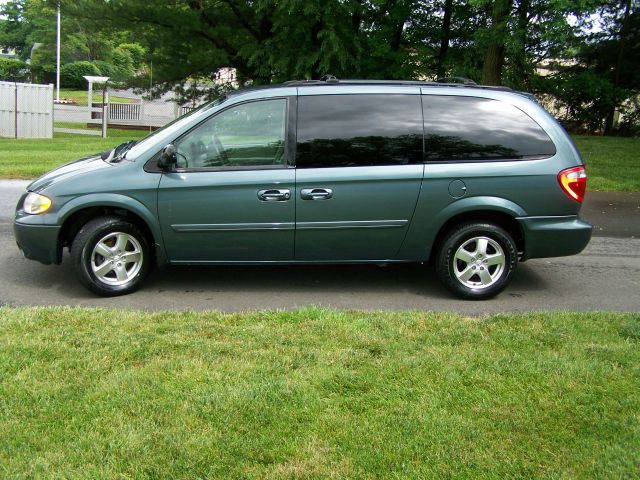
606	276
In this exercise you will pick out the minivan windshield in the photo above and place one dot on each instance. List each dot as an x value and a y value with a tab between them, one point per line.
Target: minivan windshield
172	126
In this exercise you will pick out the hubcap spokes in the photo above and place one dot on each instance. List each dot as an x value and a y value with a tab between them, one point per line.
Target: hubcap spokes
117	258
479	262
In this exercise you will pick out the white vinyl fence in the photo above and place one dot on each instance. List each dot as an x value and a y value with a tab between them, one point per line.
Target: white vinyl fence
124	111
26	110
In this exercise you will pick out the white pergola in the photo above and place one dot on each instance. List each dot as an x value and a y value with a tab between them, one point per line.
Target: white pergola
105	99
93	79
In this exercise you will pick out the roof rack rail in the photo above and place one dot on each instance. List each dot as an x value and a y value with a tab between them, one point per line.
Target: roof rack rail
329	78
441	82
462	80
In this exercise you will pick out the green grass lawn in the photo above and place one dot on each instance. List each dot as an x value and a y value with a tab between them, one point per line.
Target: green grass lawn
81	96
30	158
90	393
613	163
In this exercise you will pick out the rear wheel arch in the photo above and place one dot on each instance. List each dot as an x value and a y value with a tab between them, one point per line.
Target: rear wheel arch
497	217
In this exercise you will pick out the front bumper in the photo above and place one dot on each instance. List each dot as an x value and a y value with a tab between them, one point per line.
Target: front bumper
38	242
554	236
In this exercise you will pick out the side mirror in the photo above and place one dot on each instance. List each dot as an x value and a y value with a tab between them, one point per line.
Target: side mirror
168	158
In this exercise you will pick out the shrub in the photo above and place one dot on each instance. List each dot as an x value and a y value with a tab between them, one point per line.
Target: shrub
71	74
13	70
106	69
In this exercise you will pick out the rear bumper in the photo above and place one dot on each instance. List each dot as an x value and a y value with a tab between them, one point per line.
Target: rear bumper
554	236
38	242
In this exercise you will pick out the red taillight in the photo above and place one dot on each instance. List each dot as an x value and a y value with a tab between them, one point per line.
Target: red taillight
574	182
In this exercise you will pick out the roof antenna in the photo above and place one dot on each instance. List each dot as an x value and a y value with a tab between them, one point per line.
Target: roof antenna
329	78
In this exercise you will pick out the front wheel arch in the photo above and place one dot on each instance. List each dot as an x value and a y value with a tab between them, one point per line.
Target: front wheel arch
74	222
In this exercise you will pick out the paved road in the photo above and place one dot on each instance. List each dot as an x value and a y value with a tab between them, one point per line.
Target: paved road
605	276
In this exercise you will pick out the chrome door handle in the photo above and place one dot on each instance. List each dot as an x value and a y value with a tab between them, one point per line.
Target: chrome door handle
316	193
274	195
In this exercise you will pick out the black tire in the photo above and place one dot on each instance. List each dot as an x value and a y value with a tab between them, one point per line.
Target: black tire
487	280
83	256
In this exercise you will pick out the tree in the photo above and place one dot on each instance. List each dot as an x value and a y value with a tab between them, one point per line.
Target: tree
603	77
14	30
622	38
445	37
496	42
264	40
29	26
13	70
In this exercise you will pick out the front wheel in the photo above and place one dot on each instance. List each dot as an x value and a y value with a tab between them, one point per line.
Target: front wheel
111	256
476	260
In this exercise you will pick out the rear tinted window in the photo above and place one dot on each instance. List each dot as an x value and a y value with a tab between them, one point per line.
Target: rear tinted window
359	130
468	128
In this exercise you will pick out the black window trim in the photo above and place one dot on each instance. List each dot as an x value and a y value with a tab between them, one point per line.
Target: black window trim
152	166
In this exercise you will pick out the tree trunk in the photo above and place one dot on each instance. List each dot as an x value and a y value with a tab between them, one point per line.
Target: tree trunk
624	31
521	61
494	55
315	41
444	39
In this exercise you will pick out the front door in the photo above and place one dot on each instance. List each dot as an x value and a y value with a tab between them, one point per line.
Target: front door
231	198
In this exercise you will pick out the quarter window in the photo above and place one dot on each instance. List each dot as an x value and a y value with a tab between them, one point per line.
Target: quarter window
247	135
358	130
470	128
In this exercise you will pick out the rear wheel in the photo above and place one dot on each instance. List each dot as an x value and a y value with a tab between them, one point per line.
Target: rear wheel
110	256
476	260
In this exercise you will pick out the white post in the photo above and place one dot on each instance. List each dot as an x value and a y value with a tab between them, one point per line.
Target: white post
58	57
105	112
90	99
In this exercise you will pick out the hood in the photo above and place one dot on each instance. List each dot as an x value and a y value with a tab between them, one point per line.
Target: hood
68	170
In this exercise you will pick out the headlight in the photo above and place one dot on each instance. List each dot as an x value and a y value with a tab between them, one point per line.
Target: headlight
34	203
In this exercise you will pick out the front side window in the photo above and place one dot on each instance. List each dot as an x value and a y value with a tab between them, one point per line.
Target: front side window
461	128
247	135
359	130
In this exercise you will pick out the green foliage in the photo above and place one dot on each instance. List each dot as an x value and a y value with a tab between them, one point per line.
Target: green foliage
136	52
14	30
604	75
43	64
587	96
72	74
30	27
197	89
13	70
264	41
122	60
106	69
630	122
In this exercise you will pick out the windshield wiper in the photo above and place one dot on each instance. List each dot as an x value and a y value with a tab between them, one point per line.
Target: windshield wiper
117	154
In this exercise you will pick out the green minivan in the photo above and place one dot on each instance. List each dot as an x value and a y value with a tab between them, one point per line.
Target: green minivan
472	179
